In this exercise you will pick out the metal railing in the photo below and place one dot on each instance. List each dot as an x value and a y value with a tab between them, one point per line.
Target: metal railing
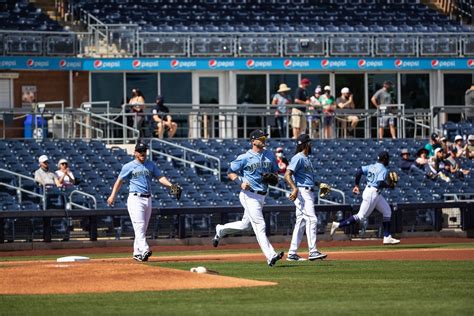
326	201
19	188
75	192
216	171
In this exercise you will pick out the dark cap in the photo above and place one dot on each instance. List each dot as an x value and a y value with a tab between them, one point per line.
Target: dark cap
257	134
404	151
303	138
434	136
384	157
141	147
159	98
388	83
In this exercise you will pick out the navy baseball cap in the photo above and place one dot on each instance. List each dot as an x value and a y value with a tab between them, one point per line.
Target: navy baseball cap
303	138
256	134
141	147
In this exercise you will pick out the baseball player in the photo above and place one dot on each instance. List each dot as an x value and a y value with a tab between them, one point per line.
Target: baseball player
140	172
378	178
300	177
253	171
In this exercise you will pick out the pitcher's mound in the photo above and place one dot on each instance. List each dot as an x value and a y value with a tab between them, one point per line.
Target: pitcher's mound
107	276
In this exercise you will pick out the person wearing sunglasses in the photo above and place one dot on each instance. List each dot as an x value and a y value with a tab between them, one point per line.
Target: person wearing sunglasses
64	174
43	176
248	172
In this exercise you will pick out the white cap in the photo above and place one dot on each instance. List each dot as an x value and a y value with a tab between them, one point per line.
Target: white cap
61	161
327	88
471	137
438	149
318	89
345	90
43	158
458	137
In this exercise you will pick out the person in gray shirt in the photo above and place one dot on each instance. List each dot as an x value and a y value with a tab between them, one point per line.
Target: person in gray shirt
380	98
43	175
470	103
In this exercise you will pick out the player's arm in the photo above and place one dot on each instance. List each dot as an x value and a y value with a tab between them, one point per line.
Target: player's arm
294	189
235	169
164	181
115	189
358	176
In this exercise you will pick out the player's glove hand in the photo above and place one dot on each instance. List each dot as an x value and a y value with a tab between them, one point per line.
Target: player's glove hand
176	190
270	178
392	179
324	190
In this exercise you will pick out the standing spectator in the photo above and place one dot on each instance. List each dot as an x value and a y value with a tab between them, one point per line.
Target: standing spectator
470	103
298	119
282	99
163	120
65	176
458	147
281	160
470	147
43	175
328	102
380	99
315	109
433	144
137	103
346	101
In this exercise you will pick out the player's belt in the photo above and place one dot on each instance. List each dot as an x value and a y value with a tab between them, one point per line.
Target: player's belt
258	192
307	188
144	195
378	190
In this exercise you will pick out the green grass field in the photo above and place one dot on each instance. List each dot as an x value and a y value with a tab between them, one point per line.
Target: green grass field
304	288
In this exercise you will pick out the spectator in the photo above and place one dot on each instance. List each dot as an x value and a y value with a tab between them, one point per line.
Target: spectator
298	119
443	141
137	103
328	102
281	160
453	166
433	144
408	164
422	159
315	109
458	147
470	147
346	101
65	176
380	99
43	176
282	99
470	103
437	165
163	120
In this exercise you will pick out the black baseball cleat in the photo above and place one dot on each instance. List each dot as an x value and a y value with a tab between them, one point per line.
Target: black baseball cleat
277	257
138	258
147	255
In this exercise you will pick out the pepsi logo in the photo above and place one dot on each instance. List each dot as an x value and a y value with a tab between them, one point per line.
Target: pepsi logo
470	63
97	64
212	63
136	63
287	63
324	63
174	63
434	63
250	63
361	63
398	63
62	63
30	62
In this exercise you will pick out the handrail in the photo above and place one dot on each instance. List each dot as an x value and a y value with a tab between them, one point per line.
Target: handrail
82	193
19	188
216	171
456	198
136	132
320	199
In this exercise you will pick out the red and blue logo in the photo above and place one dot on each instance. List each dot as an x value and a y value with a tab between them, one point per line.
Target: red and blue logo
325	63
212	63
136	64
174	63
434	63
62	63
30	62
470	63
398	63
361	63
287	63
250	63
98	64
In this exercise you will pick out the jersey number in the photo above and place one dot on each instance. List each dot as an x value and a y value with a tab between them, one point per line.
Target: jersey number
370	176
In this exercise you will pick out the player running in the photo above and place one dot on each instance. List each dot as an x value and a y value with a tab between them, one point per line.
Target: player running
251	171
140	172
377	178
300	177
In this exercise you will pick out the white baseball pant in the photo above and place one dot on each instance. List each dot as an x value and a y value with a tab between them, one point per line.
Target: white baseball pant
372	199
305	220
139	209
253	216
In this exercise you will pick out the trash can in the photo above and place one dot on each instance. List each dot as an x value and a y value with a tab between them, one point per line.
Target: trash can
29	126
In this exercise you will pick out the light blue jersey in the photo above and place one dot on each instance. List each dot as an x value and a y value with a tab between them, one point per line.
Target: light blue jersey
139	175
251	166
303	171
375	173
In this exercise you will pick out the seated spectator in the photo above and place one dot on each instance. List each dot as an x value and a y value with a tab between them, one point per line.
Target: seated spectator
282	99
408	164
458	147
281	160
445	144
346	101
163	120
314	112
328	102
422	158
470	147
65	176
437	165
453	167
43	175
433	144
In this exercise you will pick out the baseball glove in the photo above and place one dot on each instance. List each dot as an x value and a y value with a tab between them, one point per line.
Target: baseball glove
270	178
324	190
176	190
392	179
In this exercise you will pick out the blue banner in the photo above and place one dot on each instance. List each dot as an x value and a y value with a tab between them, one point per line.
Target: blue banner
190	64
